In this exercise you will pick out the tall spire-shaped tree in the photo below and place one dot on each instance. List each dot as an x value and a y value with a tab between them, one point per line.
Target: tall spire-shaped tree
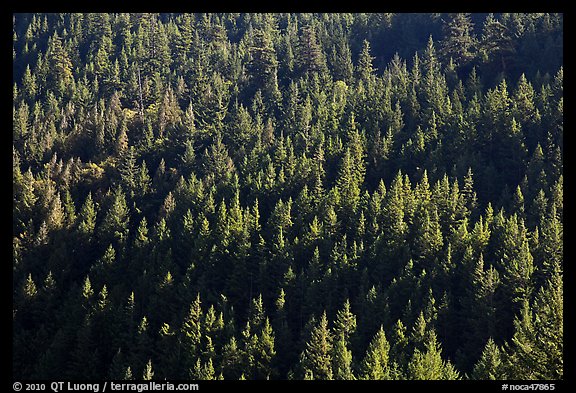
536	350
316	359
459	41
375	364
490	364
365	69
428	364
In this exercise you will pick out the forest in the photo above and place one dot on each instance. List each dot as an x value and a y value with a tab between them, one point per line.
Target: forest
312	196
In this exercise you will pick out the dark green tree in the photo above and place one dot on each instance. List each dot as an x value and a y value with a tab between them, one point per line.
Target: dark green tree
311	57
536	349
114	227
459	41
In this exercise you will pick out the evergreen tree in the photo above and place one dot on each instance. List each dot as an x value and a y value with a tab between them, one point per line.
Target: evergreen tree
288	160
316	359
364	68
496	43
191	333
490	364
459	42
264	64
376	362
535	351
342	360
428	364
344	327
265	353
115	223
311	57
87	217
231	360
148	373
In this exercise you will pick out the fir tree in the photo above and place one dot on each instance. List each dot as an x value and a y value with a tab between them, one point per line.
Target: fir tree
316	359
376	362
490	364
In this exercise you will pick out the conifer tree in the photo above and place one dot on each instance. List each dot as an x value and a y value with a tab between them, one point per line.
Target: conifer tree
459	42
148	372
535	351
429	365
342	360
115	223
365	68
311	56
490	365
192	191
87	217
316	359
376	362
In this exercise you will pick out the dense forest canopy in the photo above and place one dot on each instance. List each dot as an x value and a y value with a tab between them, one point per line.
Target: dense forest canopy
288	196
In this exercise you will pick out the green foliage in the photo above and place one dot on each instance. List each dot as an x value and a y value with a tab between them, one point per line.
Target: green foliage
115	223
192	191
428	364
87	217
490	364
29	289
536	349
375	364
316	359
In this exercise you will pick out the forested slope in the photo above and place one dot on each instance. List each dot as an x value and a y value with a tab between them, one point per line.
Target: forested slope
287	196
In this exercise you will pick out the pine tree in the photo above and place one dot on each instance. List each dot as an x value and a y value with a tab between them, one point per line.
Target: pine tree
203	371
311	57
375	365
263	64
122	145
69	210
142	239
191	333
364	68
128	170
342	360
523	105
316	359
342	61
59	63
265	353
536	349
490	364
428	238
459	42
551	244
148	373
115	224
231	360
468	193
496	44
519	266
142	181
87	291
345	324
348	186
428	364
344	327
117	368
87	217
29	290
